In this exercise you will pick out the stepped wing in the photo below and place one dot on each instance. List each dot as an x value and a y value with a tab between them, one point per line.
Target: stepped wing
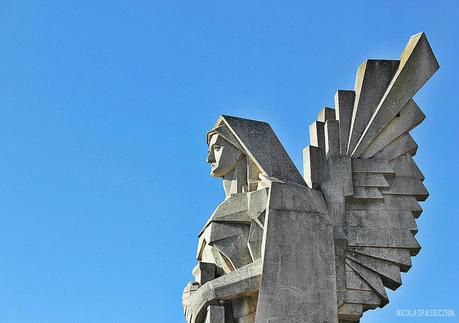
361	158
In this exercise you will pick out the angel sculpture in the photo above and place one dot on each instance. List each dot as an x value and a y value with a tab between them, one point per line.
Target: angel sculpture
320	248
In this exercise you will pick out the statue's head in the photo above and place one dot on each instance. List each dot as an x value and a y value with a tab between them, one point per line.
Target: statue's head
222	156
251	149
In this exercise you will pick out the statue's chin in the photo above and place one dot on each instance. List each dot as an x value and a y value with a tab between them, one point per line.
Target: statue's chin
221	171
212	174
216	173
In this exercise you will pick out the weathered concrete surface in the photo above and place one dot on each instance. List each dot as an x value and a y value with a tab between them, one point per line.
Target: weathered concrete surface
326	114
381	219
373	78
317	135
215	314
331	131
403	145
409	117
377	237
406	167
313	164
233	285
372	166
290	279
204	272
400	257
370	277
370	180
417	65
264	148
407	186
344	105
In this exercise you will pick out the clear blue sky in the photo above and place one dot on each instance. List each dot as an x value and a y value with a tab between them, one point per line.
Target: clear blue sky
104	107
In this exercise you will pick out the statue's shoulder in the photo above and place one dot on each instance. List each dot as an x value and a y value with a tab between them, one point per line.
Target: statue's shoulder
240	208
294	197
240	205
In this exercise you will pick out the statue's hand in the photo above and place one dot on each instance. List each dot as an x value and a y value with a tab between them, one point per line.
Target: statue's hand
189	289
193	293
192	301
195	300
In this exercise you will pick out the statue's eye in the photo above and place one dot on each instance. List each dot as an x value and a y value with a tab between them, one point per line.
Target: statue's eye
217	148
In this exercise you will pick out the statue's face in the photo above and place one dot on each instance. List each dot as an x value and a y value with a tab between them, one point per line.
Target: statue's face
222	156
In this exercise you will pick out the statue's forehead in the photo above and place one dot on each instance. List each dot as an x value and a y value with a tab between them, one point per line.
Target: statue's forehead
213	139
217	139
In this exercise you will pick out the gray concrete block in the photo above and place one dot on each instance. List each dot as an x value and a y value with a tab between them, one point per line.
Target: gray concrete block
257	202
350	313
408	118
368	299
371	278
389	272
317	135
215	314
238	217
331	131
313	163
401	257
370	180
232	210
297	198
219	231
367	193
417	65
354	281
340	269
372	166
235	249
244	309
383	238
337	183
289	278
371	82
326	114
407	186
402	145
344	104
255	240
390	203
405	166
204	272
382	219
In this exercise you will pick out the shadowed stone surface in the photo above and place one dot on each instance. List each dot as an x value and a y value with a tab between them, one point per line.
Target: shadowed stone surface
408	118
344	105
313	163
372	79
317	134
417	65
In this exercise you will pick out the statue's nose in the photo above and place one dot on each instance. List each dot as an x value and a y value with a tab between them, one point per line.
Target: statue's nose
210	156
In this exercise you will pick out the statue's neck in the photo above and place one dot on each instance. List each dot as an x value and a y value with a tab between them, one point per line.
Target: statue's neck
236	180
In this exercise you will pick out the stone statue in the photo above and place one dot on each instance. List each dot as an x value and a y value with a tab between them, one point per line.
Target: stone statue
320	248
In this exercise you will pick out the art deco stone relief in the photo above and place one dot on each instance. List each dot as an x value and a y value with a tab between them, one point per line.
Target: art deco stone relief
322	247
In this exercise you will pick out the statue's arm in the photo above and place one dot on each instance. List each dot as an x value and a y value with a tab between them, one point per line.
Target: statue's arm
242	281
